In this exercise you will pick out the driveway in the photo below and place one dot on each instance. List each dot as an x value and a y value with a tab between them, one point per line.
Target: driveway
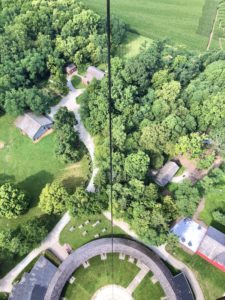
70	102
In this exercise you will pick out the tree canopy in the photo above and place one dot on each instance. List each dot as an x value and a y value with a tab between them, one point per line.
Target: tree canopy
37	41
13	202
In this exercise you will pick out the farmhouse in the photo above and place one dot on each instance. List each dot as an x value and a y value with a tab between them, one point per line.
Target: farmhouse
212	248
70	69
207	243
34	285
166	173
33	126
92	73
190	233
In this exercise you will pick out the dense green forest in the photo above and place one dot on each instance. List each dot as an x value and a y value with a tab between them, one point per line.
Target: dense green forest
166	102
37	40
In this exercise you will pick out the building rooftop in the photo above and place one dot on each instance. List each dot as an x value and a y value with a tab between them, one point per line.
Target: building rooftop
93	72
190	233
29	123
183	287
33	285
166	173
212	247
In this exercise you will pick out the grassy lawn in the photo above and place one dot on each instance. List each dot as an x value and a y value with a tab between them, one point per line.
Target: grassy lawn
147	290
187	23
210	278
76	239
31	166
132	44
214	200
77	82
89	280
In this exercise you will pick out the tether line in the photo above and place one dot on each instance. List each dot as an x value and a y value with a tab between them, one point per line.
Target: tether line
110	111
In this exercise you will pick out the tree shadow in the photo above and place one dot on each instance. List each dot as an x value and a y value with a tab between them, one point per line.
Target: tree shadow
6	178
35	183
71	182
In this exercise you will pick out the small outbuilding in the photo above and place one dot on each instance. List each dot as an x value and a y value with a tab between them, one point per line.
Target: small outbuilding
166	173
70	69
33	285
212	248
92	73
33	126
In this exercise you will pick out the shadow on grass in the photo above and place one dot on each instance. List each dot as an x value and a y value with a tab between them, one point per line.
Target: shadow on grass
6	178
72	182
35	183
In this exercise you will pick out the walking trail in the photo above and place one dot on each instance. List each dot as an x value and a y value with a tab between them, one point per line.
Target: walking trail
161	252
137	279
213	29
52	240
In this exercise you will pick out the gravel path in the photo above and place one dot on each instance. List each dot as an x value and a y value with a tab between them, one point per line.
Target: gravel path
69	101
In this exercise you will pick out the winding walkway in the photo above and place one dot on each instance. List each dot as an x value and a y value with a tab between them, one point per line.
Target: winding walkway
52	240
70	102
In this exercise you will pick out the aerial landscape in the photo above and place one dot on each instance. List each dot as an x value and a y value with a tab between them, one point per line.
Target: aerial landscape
112	150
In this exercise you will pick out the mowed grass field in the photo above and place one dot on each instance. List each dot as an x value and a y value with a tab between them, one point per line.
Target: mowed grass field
210	278
76	238
31	166
183	22
214	200
99	274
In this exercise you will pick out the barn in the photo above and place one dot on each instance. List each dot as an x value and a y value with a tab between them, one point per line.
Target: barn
212	248
33	126
166	173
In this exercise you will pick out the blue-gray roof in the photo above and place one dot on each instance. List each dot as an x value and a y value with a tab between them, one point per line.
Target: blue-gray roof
166	173
33	285
30	124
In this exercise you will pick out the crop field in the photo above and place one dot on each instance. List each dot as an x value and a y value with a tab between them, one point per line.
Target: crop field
218	41
183	22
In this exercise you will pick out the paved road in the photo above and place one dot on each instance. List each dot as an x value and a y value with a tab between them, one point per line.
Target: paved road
161	252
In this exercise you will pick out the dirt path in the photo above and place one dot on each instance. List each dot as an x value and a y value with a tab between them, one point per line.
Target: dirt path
200	208
213	29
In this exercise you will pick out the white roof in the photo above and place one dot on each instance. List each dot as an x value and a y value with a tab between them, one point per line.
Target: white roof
190	233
